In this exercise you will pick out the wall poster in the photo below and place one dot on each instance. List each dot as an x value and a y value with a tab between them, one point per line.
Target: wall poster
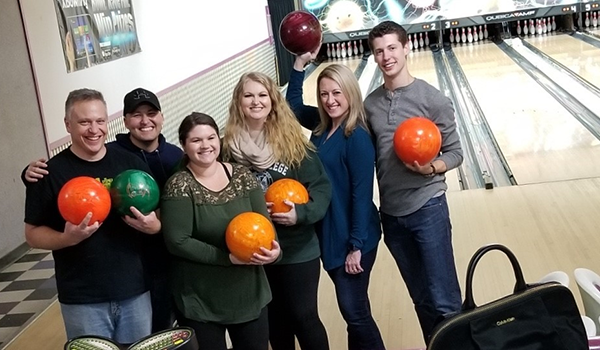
96	31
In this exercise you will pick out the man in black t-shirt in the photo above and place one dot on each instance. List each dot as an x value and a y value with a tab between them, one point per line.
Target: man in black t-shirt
142	116
99	266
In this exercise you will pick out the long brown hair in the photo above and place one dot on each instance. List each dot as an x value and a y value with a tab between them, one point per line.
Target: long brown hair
283	131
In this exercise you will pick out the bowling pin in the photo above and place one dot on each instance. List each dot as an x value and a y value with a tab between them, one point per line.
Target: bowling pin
553	23
475	35
328	50
451	35
355	48
587	19
544	26
470	35
480	33
421	41
525	27
531	27
538	27
463	36
360	47
350	53
485	31
410	42
518	27
343	50
426	39
595	19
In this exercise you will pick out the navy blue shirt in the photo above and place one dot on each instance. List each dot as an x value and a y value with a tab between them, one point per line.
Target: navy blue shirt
162	161
349	161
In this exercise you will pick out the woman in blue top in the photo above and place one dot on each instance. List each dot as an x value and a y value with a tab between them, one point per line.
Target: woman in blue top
350	230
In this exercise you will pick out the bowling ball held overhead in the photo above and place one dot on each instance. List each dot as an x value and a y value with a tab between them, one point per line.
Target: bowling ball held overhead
300	32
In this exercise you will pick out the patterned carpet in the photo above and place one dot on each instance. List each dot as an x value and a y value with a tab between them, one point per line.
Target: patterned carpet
27	287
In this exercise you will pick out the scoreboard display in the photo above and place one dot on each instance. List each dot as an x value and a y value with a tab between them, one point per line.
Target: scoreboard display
344	20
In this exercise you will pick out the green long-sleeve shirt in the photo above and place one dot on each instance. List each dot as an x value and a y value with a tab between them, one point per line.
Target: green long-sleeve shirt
206	286
299	242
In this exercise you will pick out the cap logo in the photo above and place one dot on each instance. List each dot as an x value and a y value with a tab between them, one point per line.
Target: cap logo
141	94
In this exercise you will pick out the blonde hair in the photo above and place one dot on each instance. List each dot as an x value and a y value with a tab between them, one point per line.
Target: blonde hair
283	131
345	78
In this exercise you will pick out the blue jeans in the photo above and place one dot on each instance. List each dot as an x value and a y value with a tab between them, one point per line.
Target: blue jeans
125	321
353	301
421	244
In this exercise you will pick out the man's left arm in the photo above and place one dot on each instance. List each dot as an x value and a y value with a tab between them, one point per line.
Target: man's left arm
451	151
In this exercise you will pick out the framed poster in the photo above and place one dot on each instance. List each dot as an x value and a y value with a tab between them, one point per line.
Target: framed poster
96	31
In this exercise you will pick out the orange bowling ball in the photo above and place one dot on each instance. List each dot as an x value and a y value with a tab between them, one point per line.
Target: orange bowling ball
82	195
283	189
246	233
417	139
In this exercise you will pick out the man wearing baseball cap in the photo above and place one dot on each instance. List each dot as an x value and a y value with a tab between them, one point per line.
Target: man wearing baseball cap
143	118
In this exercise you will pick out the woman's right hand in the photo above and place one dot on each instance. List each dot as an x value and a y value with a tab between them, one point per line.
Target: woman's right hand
36	170
267	256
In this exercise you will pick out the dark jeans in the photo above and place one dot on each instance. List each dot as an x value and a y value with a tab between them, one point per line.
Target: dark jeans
162	304
353	301
421	244
293	310
253	335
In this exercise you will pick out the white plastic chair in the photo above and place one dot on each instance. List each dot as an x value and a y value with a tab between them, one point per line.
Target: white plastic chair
556	276
589	287
590	326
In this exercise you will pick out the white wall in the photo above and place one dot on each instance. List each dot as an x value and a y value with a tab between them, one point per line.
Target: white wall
178	38
21	132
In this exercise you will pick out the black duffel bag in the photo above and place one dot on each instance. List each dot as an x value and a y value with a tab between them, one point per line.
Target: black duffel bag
538	316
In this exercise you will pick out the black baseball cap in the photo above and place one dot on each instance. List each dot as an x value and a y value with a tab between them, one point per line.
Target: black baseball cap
138	96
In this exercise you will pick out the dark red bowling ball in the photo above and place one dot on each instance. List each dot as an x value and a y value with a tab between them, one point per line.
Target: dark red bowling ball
300	32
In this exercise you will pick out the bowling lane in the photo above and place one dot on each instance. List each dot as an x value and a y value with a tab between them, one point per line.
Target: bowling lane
540	139
579	56
421	65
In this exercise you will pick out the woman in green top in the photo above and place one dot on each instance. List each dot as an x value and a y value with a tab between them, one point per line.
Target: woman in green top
213	291
263	134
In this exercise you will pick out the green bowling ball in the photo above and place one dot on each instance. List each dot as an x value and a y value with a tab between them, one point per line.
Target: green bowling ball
134	188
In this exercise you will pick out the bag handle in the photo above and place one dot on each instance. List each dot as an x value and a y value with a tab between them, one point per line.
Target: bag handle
520	284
